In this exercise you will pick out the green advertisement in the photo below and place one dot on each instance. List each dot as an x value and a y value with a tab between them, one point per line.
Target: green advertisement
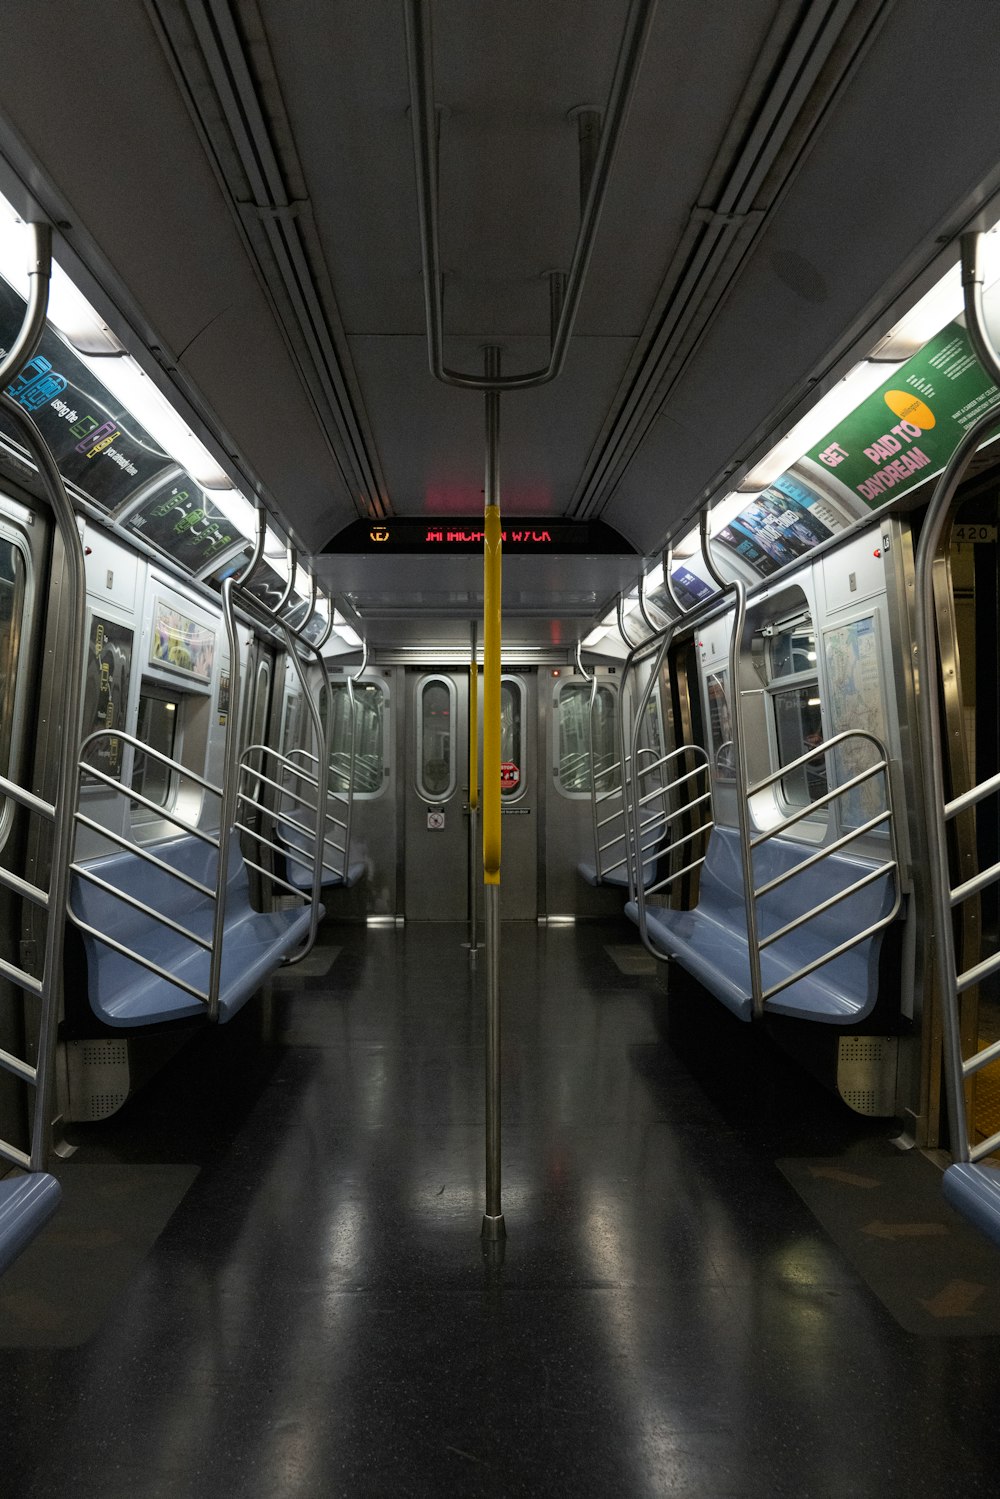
908	429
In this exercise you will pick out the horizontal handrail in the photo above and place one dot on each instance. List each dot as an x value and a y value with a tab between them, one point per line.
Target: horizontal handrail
144	749
671	879
984	1148
275	879
26	799
828	848
975	975
978	883
138	957
828	957
290	800
20	977
142	906
886	867
145	854
826	905
24	888
981	1059
972	797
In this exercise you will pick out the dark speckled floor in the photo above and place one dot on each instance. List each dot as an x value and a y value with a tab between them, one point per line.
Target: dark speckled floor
317	1317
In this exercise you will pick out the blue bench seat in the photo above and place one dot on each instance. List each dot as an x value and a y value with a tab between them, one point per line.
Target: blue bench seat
974	1191
710	941
26	1205
302	844
616	879
122	992
655	842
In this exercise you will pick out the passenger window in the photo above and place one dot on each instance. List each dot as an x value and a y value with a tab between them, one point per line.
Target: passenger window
12	586
436	768
293	718
261	703
158	726
369	761
576	720
796	709
721	725
512	777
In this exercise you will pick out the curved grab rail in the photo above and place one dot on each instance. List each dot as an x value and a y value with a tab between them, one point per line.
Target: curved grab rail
945	898
49	988
423	116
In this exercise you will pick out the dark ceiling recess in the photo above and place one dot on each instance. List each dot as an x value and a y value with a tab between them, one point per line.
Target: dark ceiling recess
222	62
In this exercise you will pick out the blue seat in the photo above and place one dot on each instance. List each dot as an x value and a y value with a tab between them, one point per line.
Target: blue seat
655	841
710	941
26	1205
616	879
975	1192
121	991
299	873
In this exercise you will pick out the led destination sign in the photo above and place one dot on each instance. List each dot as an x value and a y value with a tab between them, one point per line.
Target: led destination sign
458	534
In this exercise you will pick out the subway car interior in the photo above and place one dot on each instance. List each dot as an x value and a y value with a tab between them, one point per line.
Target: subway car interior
500	748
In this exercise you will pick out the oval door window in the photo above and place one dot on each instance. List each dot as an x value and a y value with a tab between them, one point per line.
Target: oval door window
511	736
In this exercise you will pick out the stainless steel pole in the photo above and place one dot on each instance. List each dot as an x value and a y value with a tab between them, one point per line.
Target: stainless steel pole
493	1224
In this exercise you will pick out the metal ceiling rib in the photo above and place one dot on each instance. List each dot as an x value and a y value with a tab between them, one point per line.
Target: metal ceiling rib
810	53
219	54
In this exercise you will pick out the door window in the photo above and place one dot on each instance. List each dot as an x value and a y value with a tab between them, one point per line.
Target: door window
512	777
436	750
576	720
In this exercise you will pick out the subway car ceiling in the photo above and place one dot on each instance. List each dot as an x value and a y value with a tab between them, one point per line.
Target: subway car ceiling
237	202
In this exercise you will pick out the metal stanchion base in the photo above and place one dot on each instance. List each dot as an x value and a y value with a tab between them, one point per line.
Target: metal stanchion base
494	1228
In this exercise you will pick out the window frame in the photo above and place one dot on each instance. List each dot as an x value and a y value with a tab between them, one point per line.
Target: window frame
514	793
142	818
17	694
433	798
808	679
579	686
338	684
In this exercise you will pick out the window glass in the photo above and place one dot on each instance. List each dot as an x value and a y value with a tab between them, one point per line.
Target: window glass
157	727
798	728
436	745
12	580
511	756
575	722
795	707
721	724
290	729
261	703
369	701
793	651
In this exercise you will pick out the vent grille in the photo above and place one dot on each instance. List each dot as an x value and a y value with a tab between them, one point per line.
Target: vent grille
99	1078
866	1074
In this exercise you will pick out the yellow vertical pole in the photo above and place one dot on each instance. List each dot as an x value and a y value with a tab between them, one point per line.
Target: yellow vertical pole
493	1224
473	791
